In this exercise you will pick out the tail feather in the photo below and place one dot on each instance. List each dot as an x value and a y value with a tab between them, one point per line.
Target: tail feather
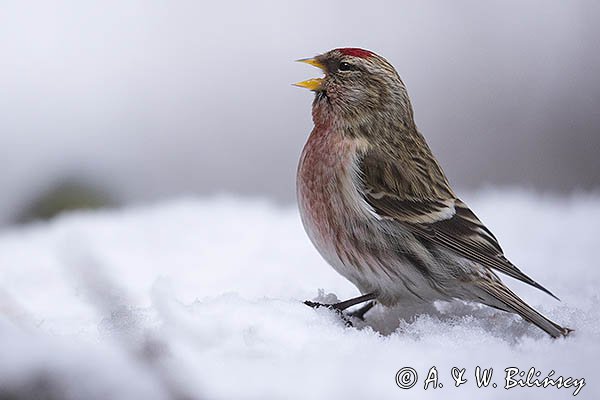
504	299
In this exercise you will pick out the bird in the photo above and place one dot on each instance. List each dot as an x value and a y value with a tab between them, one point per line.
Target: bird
378	207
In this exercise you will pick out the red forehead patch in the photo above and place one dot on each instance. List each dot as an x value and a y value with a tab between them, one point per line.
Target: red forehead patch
356	52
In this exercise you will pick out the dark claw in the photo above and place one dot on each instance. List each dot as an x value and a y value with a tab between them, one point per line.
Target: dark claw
342	305
314	304
343	316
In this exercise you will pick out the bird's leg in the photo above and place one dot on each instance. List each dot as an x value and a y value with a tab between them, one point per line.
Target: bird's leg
360	313
342	305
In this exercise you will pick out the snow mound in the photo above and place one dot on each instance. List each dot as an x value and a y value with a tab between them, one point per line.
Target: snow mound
203	299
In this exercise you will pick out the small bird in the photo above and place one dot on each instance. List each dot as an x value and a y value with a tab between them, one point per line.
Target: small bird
377	205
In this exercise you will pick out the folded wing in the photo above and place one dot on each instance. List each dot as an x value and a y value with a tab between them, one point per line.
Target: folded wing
426	206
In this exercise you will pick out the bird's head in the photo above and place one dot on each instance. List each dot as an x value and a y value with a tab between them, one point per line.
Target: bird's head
359	86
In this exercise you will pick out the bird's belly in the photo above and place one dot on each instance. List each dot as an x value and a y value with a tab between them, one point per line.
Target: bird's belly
367	257
326	230
320	212
348	236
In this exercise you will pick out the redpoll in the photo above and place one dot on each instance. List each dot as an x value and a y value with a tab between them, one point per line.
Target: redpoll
377	205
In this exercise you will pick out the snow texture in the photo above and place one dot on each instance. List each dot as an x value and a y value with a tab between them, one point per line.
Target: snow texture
202	298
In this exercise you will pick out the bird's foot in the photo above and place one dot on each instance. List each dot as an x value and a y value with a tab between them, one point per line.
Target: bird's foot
315	304
360	313
342	305
334	307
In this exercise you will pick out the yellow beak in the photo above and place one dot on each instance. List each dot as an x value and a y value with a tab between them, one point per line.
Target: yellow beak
310	84
314	83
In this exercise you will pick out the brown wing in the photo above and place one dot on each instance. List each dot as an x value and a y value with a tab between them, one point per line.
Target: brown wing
426	206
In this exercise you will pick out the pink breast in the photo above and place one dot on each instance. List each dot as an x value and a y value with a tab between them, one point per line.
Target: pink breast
322	173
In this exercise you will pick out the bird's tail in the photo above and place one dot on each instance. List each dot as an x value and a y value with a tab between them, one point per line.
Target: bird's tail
504	299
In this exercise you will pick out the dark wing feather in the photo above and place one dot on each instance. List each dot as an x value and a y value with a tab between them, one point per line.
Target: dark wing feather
433	213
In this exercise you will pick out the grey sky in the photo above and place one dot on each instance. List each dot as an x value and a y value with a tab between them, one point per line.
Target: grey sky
159	99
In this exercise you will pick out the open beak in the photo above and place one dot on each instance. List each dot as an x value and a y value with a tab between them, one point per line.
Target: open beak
313	84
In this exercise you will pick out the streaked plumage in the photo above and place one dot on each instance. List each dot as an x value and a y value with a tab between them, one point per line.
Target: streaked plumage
378	206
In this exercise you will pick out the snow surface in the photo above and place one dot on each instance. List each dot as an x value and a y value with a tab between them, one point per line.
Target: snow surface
201	298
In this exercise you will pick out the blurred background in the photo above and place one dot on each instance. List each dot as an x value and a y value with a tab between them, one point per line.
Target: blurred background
111	103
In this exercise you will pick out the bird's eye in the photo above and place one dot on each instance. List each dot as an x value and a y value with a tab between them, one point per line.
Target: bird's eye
344	66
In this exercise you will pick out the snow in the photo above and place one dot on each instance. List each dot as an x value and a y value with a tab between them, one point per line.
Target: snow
202	298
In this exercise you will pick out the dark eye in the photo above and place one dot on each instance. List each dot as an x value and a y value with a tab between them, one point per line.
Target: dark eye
344	66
